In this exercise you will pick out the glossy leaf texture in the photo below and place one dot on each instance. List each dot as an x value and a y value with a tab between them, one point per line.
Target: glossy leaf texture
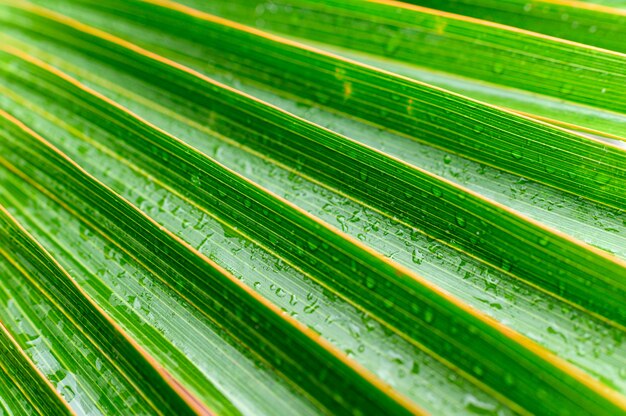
300	207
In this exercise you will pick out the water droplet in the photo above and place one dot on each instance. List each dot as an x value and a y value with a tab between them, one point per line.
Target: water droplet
429	315
543	241
415	369
460	221
370	282
556	330
68	393
293	301
517	154
477	406
447	159
437	192
417	257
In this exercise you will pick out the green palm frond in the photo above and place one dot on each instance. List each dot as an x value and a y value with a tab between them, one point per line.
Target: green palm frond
301	207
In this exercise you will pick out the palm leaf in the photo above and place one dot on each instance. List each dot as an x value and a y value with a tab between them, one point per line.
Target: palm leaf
202	217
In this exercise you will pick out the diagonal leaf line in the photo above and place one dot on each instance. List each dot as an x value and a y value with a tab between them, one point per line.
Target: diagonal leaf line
391	398
546	17
32	280
581	49
32	374
261	195
322	283
260	70
399	81
188	121
130	253
189	404
568	260
97	33
45	341
406	5
286	167
144	265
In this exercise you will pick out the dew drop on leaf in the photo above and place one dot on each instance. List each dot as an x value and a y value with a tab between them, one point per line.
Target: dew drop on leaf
477	406
68	393
417	257
461	221
429	315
